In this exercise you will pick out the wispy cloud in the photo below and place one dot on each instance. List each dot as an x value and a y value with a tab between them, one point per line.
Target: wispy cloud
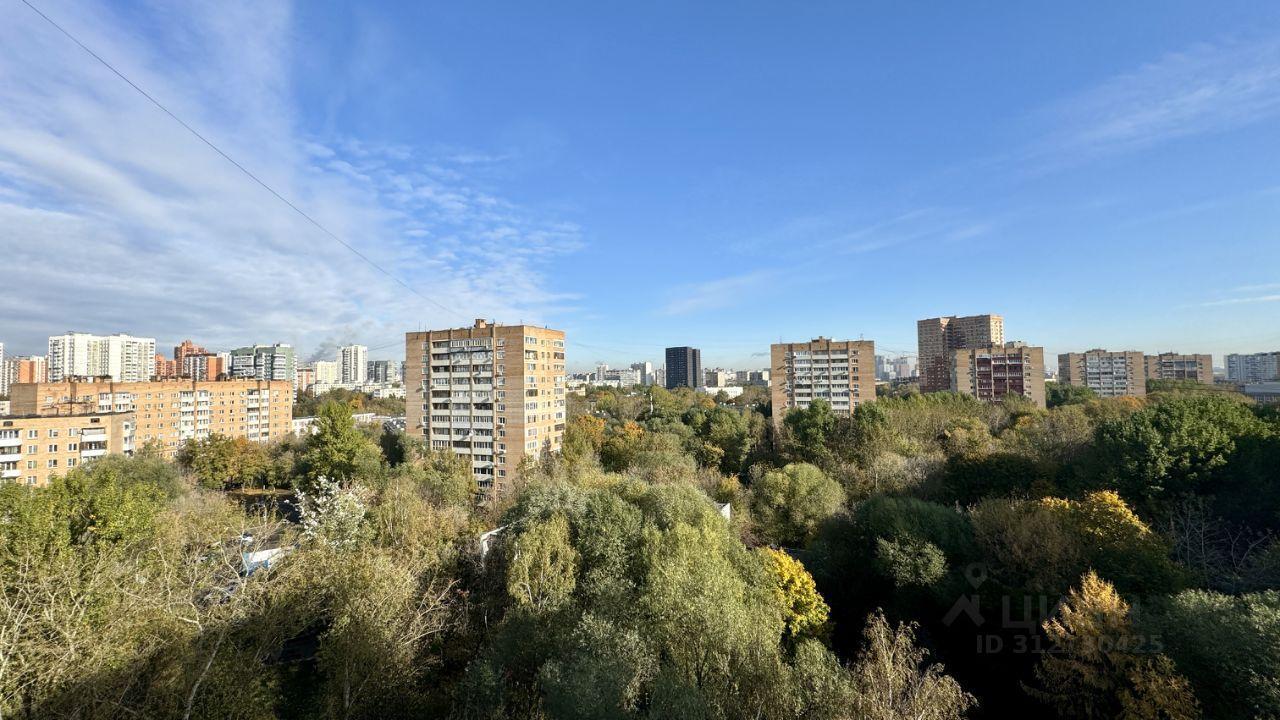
1210	87
112	218
1242	300
716	294
1256	288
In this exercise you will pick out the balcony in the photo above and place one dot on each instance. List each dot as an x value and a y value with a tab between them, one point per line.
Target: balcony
10	457
10	442
10	474
87	453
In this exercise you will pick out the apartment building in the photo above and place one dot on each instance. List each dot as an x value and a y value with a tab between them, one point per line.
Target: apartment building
842	372
354	364
166	369
382	371
19	369
1174	366
170	412
644	370
306	377
990	373
1254	367
1109	374
264	362
203	366
34	448
327	372
494	393
684	367
938	337
123	358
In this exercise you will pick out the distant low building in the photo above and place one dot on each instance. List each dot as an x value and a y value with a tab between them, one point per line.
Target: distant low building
1267	393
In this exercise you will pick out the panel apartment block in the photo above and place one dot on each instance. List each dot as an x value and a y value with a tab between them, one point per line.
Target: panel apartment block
841	372
938	337
494	393
170	412
35	448
991	373
1254	367
1174	366
1109	374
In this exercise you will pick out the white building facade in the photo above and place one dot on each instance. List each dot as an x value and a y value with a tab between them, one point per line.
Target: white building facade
123	358
353	361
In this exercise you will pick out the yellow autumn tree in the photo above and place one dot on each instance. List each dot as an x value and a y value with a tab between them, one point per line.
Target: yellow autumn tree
1118	544
1099	668
804	610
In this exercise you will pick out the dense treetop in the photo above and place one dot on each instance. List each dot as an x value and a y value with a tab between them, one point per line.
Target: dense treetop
929	557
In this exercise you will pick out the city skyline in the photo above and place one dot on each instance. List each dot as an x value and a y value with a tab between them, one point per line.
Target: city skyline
1110	188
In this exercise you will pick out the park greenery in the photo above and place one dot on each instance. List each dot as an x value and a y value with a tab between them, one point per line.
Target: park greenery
308	404
683	556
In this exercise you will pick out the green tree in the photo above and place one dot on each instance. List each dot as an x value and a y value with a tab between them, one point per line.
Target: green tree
788	504
219	461
1227	646
809	432
1057	394
1174	447
338	450
543	565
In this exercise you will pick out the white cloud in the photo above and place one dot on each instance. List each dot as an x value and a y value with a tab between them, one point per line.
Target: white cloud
1242	300
114	218
1210	87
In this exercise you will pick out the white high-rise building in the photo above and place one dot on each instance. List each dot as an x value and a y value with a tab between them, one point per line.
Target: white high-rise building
123	358
265	362
645	370
4	373
354	363
327	372
1253	368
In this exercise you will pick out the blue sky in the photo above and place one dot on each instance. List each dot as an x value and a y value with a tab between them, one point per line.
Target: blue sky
722	175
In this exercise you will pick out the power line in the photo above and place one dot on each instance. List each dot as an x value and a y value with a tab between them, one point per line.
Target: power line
237	165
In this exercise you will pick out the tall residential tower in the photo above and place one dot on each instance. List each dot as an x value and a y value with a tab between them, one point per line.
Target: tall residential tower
684	367
494	393
939	337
